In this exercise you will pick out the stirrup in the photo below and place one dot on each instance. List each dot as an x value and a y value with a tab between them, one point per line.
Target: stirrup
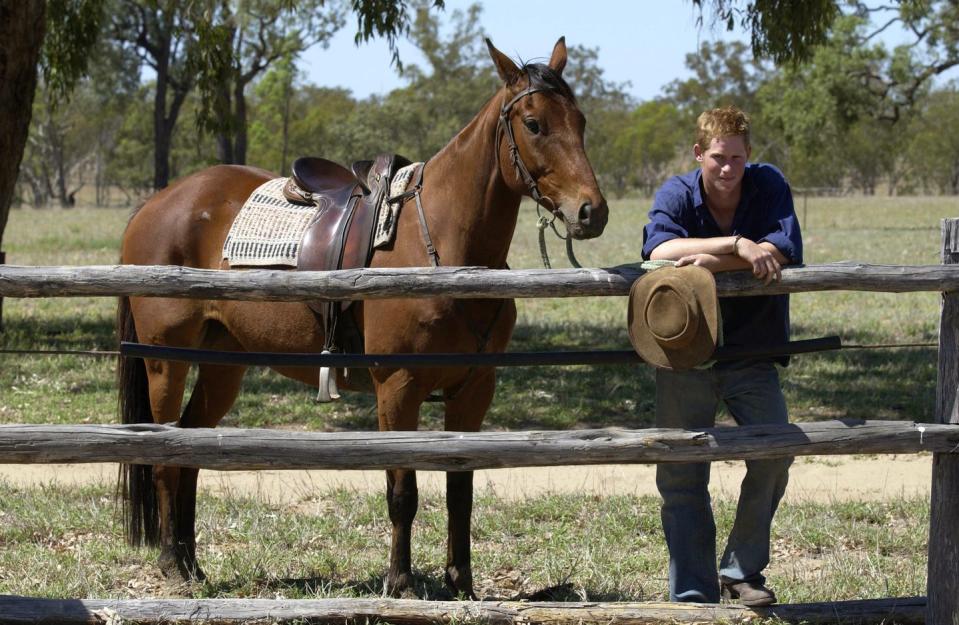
327	391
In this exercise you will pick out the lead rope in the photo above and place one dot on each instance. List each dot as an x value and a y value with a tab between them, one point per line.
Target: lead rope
541	224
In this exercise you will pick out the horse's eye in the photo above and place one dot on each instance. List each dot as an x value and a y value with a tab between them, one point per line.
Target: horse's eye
532	125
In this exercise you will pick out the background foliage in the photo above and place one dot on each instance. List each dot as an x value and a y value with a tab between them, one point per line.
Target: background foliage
849	115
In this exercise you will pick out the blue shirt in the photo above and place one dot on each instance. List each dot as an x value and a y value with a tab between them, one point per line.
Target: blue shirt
765	213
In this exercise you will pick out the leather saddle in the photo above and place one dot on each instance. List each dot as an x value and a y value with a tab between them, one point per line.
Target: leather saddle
340	236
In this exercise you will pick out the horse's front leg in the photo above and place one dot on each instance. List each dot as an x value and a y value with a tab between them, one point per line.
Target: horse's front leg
398	399
459	508
465	409
402	500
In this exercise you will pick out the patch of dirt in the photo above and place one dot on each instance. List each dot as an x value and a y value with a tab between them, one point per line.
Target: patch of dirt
820	479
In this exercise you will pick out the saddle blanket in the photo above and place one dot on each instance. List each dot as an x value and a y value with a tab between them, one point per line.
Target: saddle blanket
384	230
268	229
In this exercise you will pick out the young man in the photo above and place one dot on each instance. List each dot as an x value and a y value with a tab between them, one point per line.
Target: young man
726	215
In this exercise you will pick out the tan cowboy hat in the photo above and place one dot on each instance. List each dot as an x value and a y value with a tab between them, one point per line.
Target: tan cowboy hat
673	317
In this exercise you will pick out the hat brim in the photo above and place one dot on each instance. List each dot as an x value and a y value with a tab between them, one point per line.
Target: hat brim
703	343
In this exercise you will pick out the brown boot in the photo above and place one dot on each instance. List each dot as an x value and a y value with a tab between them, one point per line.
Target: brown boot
750	594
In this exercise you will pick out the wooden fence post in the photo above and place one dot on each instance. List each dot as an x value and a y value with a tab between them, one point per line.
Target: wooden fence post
942	583
3	261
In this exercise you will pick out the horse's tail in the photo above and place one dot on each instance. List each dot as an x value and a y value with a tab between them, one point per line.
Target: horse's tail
136	487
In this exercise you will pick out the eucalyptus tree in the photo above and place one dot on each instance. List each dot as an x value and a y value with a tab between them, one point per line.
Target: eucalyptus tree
240	39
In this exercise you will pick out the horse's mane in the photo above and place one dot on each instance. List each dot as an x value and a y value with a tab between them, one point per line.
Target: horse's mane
542	76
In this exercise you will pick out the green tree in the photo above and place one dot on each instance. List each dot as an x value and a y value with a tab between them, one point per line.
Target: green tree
813	106
130	167
305	120
271	115
934	148
658	140
783	30
69	143
903	77
163	34
221	46
240	39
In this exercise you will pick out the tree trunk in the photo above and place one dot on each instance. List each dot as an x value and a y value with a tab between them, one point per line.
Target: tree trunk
161	138
239	147
287	98
224	136
224	148
165	114
59	164
22	27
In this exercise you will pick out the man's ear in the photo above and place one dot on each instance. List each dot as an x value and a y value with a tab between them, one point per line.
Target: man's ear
698	152
557	61
505	67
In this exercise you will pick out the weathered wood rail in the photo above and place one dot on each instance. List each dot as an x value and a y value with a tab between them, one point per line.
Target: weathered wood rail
21	610
463	282
231	449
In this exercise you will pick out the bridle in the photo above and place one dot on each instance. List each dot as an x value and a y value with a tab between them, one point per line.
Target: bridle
504	128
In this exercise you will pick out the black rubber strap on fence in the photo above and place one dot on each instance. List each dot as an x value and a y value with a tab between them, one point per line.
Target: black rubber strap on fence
506	359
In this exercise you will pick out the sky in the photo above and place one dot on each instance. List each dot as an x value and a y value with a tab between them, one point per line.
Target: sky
642	42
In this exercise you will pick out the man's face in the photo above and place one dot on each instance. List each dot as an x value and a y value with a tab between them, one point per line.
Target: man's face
723	164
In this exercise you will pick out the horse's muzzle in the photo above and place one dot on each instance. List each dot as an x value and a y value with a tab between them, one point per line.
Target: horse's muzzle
590	221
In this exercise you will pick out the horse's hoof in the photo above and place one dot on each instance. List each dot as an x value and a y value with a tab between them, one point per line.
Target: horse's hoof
399	585
460	582
179	567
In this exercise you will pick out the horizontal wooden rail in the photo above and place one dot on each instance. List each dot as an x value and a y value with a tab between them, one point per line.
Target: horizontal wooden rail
22	610
460	282
229	449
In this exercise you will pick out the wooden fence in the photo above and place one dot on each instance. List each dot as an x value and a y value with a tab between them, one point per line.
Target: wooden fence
227	449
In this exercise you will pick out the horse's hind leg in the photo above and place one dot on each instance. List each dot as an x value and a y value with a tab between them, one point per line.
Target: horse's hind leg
213	394
465	410
167	381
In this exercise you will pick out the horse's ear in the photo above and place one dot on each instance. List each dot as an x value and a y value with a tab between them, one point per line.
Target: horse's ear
504	65
557	61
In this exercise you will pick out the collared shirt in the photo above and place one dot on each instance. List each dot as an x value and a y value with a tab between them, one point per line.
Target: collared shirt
765	213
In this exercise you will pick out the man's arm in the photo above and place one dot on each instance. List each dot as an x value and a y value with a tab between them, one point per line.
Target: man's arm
725	254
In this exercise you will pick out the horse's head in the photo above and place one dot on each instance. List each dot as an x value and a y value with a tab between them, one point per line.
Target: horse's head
541	148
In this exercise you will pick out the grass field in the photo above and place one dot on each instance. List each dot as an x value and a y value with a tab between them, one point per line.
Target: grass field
588	547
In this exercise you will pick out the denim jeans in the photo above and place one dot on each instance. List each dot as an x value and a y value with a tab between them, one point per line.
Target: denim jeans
689	399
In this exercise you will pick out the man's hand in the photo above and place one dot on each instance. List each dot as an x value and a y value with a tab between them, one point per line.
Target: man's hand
764	264
708	261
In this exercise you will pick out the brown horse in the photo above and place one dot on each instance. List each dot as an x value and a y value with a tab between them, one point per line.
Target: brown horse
470	196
